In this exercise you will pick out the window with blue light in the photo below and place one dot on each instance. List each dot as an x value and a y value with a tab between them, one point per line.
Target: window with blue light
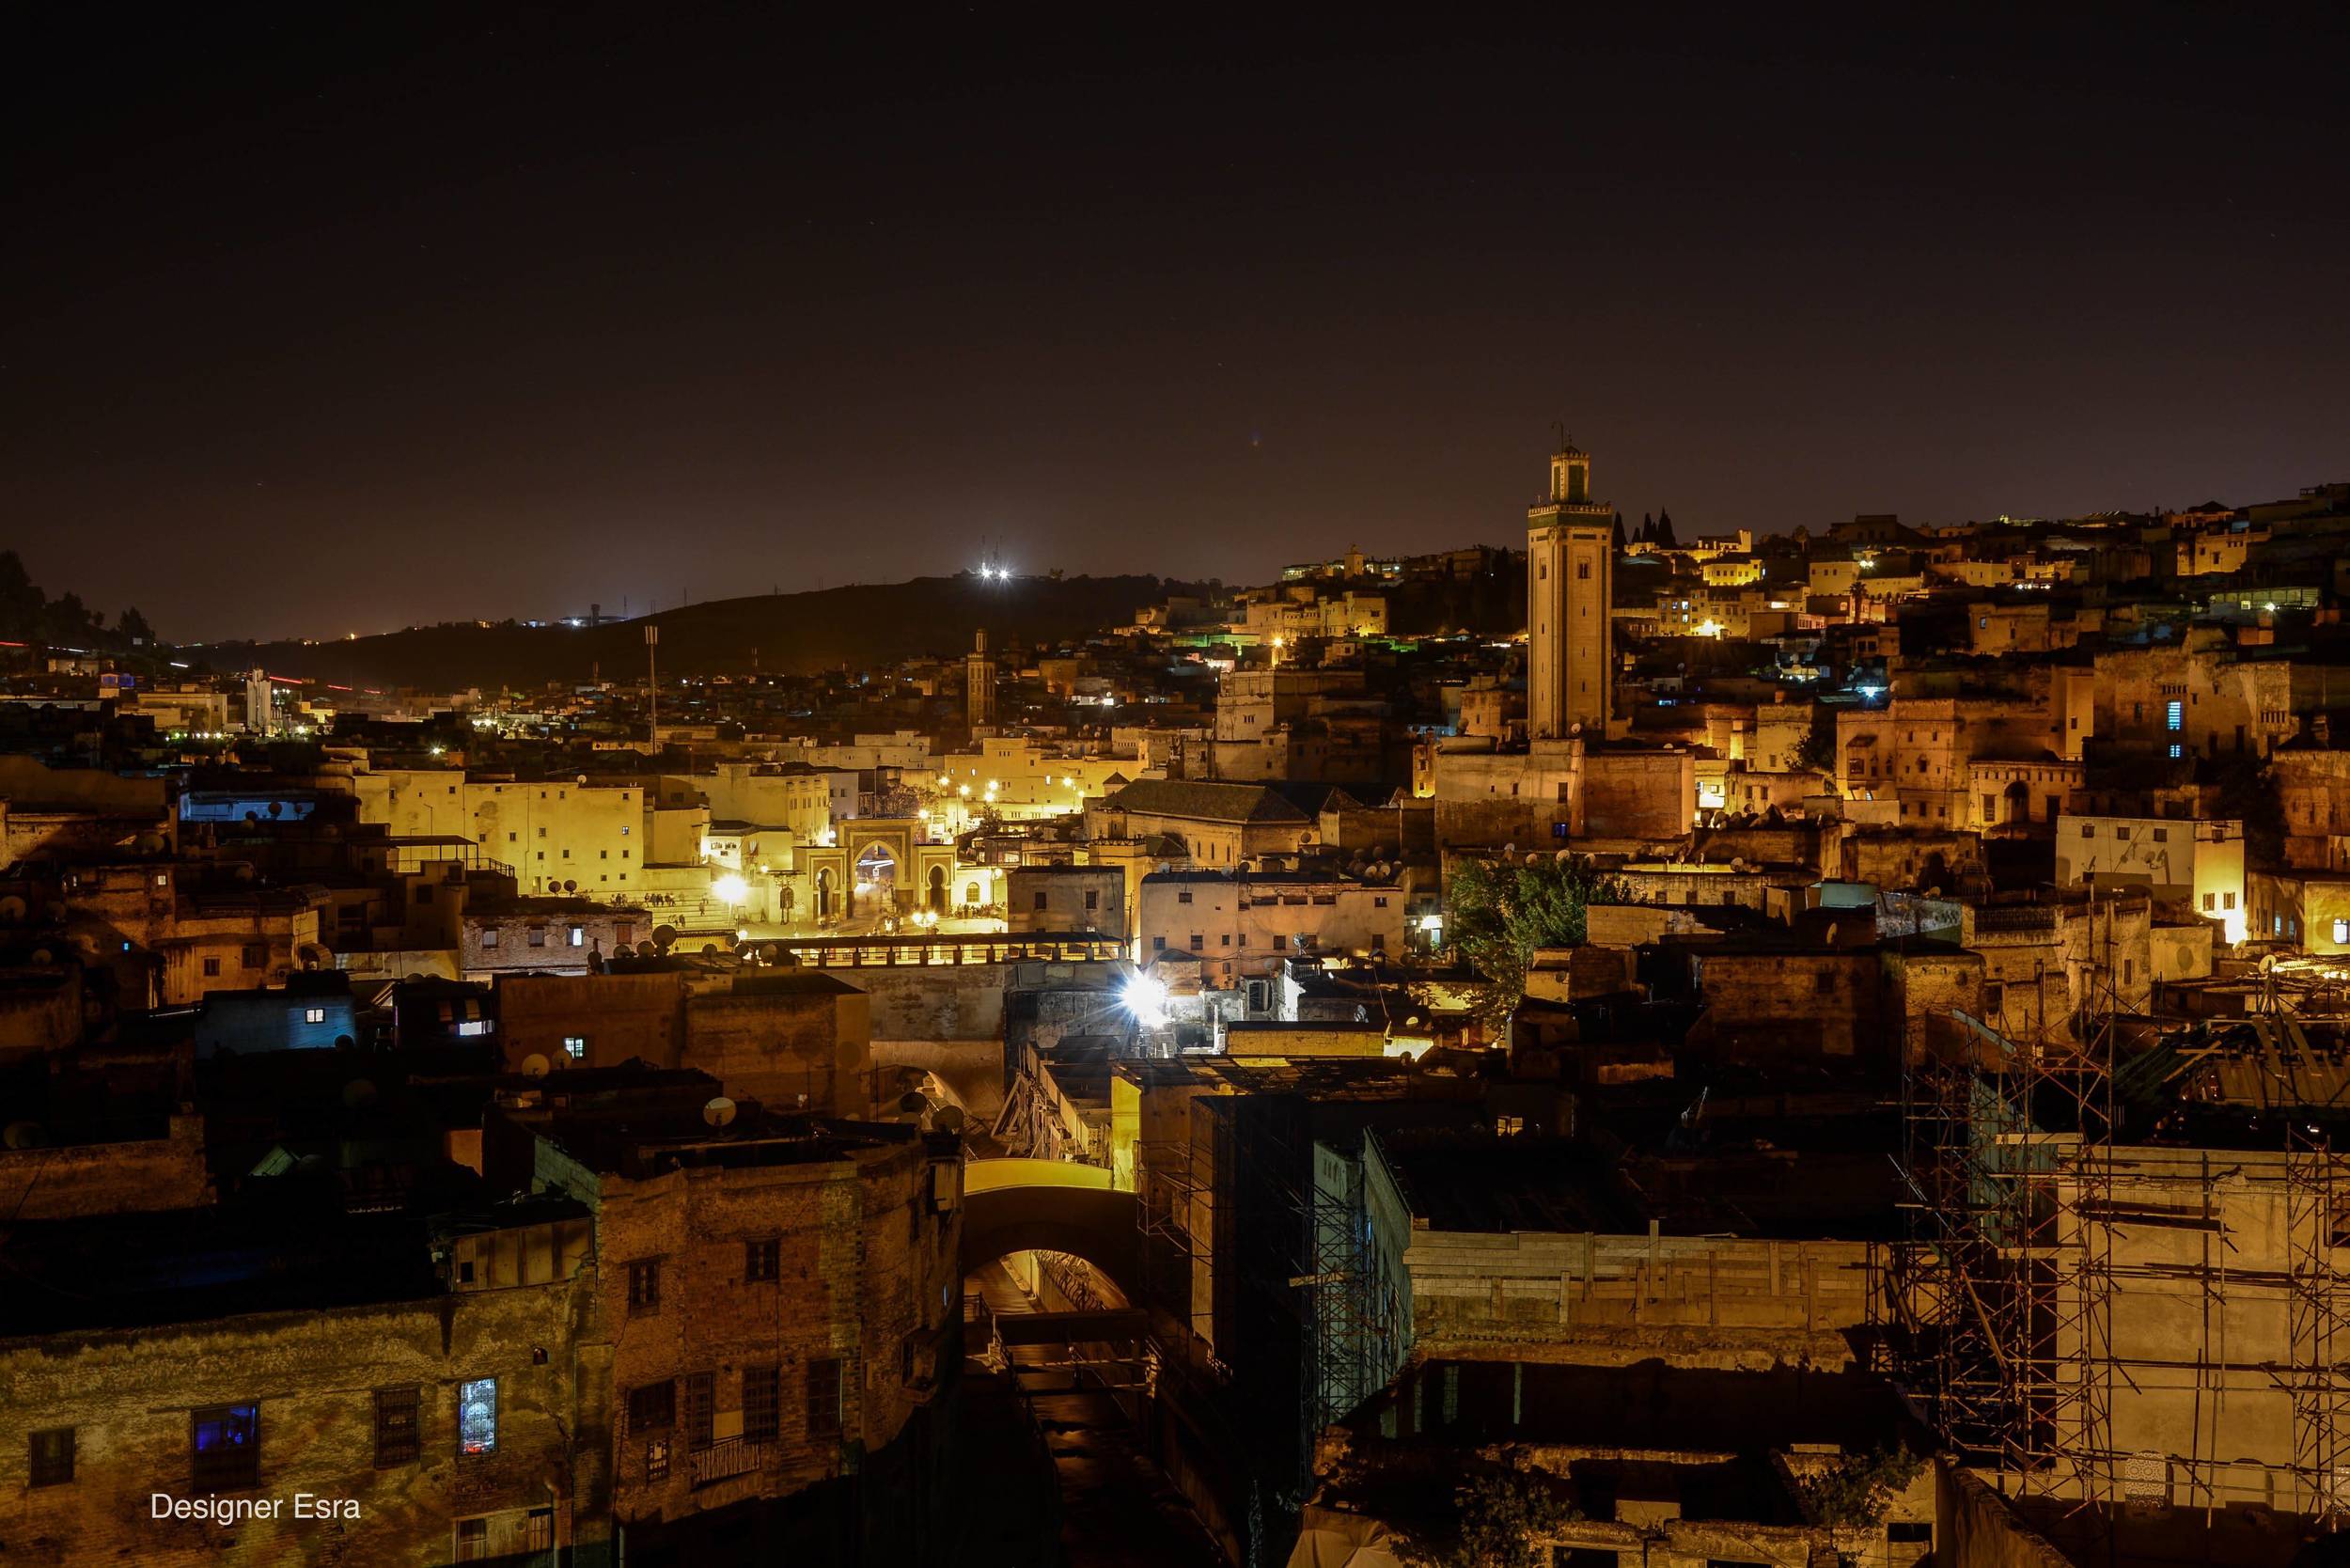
2174	714
478	1415
226	1446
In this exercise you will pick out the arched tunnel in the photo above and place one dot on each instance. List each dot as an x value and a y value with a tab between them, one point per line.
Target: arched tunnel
1015	1205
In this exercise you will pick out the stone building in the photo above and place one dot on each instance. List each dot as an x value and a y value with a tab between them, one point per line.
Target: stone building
1570	578
779	1317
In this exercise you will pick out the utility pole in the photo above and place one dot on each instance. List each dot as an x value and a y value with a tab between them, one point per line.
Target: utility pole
652	683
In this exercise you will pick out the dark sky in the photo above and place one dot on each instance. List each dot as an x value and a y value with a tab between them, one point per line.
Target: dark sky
353	321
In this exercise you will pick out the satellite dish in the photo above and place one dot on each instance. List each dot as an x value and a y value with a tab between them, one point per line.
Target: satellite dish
2268	963
1737	863
913	1101
1510	849
11	909
43	957
535	1066
25	1135
947	1119
664	933
719	1112
646	950
570	886
583	780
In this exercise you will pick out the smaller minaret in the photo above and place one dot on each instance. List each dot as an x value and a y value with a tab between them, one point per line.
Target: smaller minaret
979	684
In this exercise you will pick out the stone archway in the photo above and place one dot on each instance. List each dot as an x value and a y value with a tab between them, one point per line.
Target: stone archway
874	885
938	890
1020	1205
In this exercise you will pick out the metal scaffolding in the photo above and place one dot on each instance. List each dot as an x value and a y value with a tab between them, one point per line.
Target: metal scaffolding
2035	1223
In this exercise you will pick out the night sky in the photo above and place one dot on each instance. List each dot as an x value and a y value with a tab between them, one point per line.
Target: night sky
346	322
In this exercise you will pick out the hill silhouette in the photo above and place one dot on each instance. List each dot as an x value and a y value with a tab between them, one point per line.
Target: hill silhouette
863	625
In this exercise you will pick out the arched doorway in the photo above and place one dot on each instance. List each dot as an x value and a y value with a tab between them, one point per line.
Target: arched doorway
2018	804
876	889
938	890
823	894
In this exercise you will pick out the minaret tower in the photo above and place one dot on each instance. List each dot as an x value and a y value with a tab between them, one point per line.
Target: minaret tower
1570	574
979	684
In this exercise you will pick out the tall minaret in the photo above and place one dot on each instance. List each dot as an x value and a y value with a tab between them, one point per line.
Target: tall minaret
979	684
1569	574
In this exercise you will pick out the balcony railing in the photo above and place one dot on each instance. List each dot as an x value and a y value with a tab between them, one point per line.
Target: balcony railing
726	1459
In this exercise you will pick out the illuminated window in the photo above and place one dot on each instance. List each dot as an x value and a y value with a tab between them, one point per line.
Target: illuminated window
2341	930
314	1015
2174	713
575	1047
226	1444
478	1415
579	936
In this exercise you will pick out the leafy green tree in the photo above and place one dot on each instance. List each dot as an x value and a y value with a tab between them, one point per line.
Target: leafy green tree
1857	1492
1818	748
132	625
1498	914
1503	1521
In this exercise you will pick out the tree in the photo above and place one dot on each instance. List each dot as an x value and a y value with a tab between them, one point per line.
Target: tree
1854	1495
1499	914
1618	542
1503	1521
1665	539
1817	750
133	625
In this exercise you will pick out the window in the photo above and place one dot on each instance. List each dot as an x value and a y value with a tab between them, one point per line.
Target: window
761	1259
2174	714
1040	901
1379	903
2211	900
1182	895
653	1407
2341	930
1198	942
762	1404
644	1286
53	1456
314	1015
224	1442
2162	836
1583	572
255	957
575	1047
824	1398
489	936
657	1460
2089	830
2177	751
398	1438
701	1410
472	1540
1158	943
478	1415
538	937
1093	900
212	968
579	936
